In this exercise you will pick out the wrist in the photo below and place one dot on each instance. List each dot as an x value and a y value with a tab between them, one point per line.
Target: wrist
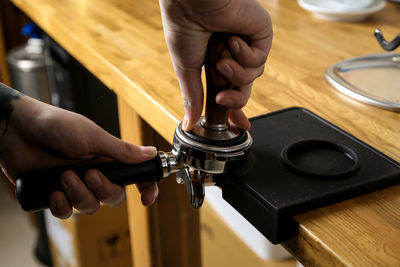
26	114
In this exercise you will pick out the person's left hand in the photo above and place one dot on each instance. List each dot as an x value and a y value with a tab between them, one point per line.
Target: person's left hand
39	136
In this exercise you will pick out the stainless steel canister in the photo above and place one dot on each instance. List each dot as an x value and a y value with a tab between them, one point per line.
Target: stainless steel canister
28	70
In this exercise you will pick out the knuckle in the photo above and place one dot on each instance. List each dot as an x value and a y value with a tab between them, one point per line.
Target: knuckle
193	106
261	56
261	71
129	148
264	57
188	103
244	79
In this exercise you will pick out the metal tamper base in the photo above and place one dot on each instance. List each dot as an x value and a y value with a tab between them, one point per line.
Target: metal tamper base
202	161
209	152
231	136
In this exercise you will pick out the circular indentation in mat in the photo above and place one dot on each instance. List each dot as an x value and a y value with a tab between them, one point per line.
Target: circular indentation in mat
321	158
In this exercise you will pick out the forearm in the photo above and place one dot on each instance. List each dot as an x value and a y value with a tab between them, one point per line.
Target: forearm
7	98
18	113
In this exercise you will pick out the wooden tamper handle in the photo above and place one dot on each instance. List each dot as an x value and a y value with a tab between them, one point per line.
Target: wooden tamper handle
217	116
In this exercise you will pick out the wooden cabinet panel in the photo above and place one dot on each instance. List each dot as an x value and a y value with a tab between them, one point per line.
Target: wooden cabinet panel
166	233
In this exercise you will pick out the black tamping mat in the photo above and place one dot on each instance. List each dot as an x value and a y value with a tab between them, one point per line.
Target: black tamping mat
299	162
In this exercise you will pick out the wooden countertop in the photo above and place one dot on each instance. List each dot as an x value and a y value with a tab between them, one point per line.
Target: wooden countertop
122	43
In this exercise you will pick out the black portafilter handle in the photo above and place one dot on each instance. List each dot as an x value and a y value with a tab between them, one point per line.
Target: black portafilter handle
34	188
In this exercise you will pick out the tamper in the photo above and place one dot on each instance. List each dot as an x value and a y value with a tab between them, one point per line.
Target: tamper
213	144
212	147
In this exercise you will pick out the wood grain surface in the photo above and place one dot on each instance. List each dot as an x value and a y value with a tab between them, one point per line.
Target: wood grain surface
122	43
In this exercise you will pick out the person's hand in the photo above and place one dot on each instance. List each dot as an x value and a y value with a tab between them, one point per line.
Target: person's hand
39	136
188	24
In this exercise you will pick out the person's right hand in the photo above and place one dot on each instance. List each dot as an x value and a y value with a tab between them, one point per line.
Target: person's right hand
188	24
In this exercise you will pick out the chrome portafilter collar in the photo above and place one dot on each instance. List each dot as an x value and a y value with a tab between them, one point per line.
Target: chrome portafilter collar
204	153
210	151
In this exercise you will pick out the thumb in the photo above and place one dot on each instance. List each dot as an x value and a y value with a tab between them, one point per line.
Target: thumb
117	149
192	94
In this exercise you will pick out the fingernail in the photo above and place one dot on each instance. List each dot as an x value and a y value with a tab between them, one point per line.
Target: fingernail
93	180
156	193
149	151
69	181
226	70
235	47
185	123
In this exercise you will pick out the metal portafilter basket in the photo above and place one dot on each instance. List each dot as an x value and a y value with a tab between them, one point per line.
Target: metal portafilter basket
212	147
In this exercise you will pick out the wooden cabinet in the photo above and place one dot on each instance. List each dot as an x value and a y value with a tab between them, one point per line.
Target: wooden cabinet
166	233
